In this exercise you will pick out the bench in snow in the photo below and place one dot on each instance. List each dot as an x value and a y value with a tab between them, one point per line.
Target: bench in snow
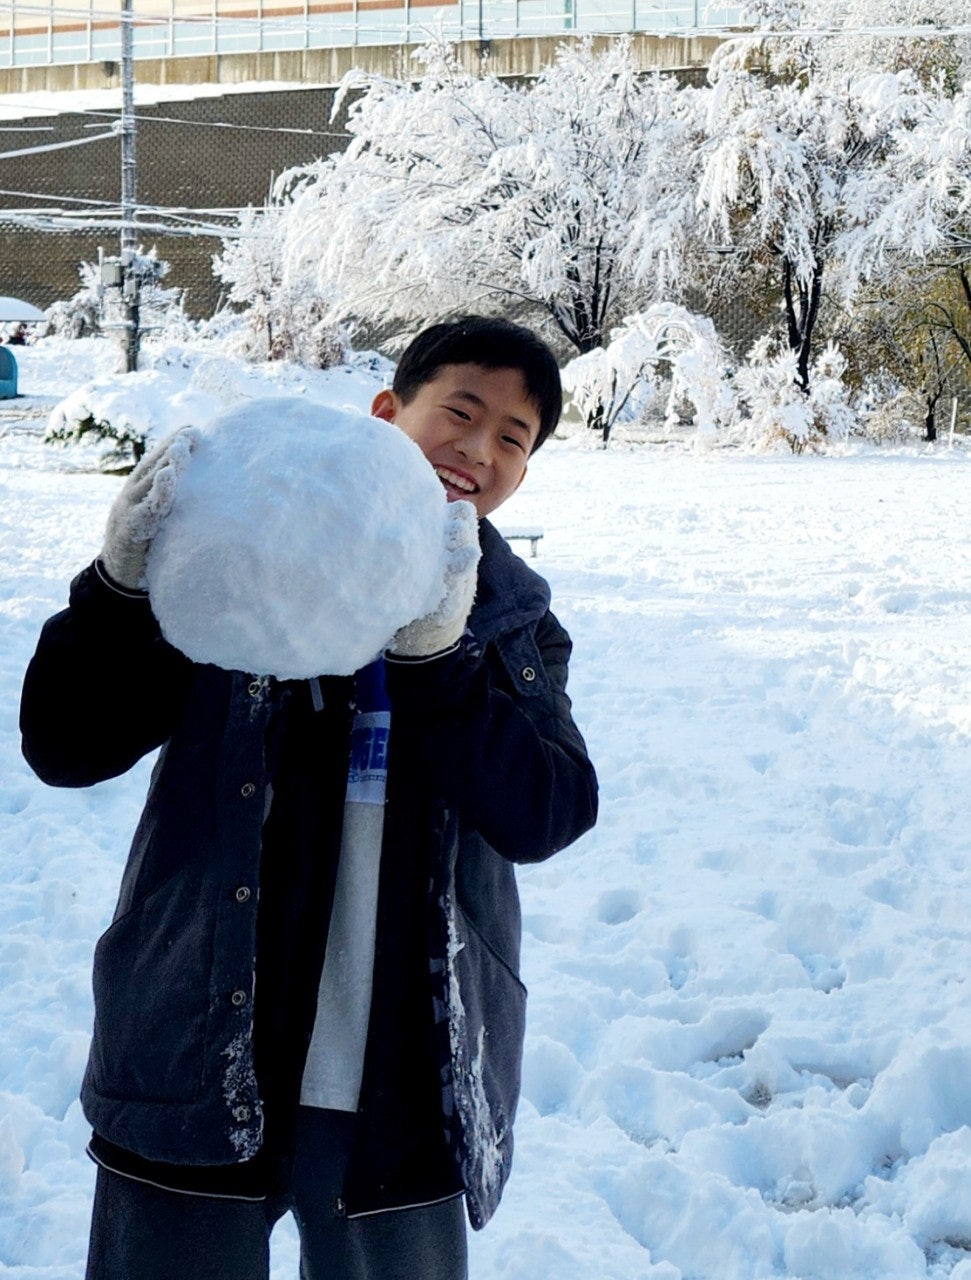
522	532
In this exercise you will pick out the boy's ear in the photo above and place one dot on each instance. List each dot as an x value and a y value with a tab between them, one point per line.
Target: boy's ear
385	405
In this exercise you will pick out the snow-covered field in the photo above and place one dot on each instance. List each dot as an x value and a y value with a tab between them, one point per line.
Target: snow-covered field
749	1046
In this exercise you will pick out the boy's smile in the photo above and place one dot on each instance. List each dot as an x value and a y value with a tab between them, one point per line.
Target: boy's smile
476	427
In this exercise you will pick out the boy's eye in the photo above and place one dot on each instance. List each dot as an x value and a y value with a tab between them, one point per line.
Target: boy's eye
513	440
464	417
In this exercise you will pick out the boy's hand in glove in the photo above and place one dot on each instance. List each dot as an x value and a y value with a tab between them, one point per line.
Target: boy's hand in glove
141	506
442	628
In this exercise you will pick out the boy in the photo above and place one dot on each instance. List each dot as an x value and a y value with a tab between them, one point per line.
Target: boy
271	1034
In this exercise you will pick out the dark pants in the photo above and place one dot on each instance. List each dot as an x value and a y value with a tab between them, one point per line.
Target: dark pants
141	1232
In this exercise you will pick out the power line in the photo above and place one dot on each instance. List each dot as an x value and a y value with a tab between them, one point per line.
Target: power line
228	124
56	146
228	211
53	221
107	214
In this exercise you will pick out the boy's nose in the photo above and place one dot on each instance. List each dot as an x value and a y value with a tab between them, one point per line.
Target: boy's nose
475	446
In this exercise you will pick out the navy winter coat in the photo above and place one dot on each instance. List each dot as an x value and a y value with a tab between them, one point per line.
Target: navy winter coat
486	769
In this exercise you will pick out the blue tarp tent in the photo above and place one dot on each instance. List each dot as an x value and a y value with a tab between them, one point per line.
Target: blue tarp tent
14	311
8	374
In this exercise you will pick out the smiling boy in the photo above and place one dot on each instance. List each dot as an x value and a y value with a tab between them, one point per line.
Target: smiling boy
308	999
477	427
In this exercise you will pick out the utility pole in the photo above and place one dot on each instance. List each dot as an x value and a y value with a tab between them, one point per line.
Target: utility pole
130	281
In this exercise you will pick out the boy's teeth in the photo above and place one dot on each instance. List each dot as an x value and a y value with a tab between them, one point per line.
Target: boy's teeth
457	482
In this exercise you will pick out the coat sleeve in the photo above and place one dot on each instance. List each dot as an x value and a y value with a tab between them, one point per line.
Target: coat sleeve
517	767
102	689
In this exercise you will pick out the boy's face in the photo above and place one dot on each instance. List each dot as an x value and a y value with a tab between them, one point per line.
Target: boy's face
475	426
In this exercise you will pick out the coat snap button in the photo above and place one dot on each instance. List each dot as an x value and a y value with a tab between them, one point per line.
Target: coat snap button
529	673
255	688
242	1114
238	998
246	790
243	894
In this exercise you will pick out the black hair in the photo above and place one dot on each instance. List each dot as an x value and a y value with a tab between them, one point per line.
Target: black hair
492	343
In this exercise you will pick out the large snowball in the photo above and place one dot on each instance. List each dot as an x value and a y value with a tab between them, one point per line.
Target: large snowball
299	541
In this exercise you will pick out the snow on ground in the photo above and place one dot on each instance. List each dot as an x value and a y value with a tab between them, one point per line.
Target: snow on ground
749	1048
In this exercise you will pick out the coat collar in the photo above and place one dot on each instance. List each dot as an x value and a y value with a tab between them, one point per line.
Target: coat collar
509	594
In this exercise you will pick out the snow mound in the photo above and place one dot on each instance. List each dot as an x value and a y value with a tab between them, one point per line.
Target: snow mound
299	541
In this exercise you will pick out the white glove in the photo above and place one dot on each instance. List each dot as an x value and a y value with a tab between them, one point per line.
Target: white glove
141	506
441	629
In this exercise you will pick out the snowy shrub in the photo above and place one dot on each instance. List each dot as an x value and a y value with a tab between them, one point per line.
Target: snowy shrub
699	367
120	414
121	445
615	383
97	306
285	318
618	383
79	316
117	416
894	420
778	408
891	412
780	411
833	415
107	416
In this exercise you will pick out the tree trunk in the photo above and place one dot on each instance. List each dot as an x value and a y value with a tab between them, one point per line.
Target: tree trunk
802	311
930	417
599	420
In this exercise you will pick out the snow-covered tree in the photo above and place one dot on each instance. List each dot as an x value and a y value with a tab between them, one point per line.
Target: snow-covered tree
907	338
891	35
466	192
285	319
777	188
919	222
864	166
843	39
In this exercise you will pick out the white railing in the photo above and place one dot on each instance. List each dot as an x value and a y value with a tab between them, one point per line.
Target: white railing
35	32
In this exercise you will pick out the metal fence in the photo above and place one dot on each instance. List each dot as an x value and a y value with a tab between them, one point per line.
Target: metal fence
37	33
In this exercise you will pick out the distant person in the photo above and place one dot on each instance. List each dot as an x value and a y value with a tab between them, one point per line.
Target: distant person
244	1063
